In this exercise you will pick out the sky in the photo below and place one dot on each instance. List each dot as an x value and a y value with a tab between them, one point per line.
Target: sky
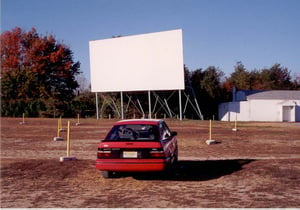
219	33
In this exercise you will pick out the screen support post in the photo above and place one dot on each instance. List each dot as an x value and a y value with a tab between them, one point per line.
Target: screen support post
97	107
122	107
180	105
149	104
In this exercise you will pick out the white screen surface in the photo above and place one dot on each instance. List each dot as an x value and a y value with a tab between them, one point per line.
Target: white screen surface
151	61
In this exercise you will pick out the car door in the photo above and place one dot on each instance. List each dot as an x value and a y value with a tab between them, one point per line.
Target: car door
168	142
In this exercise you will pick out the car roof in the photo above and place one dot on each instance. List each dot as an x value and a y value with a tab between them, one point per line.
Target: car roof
139	121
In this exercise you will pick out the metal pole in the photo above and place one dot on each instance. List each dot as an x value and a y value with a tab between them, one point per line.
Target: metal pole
122	107
186	103
170	113
139	103
58	128
149	103
180	105
209	129
235	120
199	111
97	111
68	139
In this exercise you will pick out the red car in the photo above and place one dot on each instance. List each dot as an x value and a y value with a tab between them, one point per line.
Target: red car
137	146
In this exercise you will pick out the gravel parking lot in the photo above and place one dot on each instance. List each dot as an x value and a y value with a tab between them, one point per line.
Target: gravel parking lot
257	166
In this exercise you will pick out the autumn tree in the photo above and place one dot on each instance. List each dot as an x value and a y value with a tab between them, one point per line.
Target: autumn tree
240	78
208	85
296	81
274	78
38	74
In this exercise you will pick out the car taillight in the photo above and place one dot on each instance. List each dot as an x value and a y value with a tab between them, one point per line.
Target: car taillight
103	153
157	153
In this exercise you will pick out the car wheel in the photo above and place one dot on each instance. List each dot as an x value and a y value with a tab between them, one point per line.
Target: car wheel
107	174
175	160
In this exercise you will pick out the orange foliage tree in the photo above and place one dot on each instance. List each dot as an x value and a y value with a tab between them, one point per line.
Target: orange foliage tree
38	74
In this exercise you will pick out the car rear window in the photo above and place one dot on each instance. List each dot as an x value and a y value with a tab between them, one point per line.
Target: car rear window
139	132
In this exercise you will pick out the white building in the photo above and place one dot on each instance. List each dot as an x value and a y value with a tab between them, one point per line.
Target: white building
268	105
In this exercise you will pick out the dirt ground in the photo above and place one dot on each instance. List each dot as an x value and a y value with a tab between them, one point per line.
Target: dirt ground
257	166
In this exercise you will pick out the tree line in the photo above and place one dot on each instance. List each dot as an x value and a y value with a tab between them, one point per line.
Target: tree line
212	87
40	78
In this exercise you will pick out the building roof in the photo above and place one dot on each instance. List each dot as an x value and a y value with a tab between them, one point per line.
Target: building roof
275	95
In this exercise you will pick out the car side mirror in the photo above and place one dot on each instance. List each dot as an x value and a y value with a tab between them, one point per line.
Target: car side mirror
173	133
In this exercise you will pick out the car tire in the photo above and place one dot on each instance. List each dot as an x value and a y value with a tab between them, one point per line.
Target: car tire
107	174
175	160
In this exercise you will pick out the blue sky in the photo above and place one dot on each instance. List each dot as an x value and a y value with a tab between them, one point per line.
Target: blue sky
259	33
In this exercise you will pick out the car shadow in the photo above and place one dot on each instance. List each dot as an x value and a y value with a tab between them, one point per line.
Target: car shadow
190	170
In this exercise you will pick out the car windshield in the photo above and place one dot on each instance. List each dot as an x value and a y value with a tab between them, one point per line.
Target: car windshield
133	132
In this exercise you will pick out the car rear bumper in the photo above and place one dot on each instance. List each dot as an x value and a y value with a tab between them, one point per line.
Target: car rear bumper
130	165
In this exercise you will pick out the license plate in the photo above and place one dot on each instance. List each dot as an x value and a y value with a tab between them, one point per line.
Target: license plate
130	154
